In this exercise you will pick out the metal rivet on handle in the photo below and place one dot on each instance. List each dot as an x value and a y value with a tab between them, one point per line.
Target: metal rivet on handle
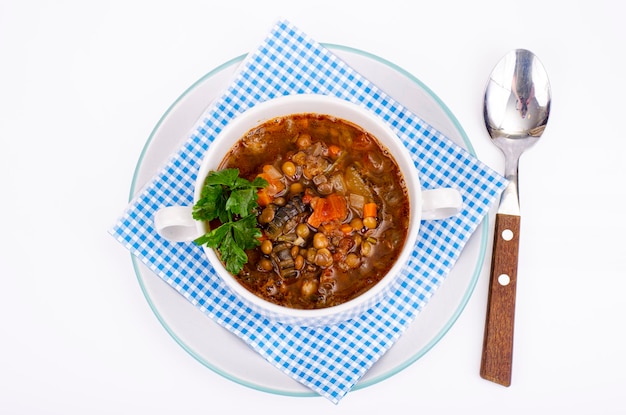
504	279
507	234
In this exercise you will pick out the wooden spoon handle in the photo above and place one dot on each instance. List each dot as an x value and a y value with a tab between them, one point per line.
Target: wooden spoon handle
497	355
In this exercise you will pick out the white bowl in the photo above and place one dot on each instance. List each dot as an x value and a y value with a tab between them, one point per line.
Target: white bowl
298	104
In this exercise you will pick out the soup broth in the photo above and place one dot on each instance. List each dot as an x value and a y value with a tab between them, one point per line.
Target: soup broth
334	216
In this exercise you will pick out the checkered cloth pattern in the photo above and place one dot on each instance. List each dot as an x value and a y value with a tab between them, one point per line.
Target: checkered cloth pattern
330	360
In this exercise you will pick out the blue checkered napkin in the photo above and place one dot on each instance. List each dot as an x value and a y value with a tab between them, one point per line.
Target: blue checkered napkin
329	360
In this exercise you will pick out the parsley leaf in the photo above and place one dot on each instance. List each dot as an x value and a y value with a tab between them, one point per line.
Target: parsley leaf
232	200
245	232
241	201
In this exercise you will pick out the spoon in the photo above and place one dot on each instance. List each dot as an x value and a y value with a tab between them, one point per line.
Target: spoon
516	109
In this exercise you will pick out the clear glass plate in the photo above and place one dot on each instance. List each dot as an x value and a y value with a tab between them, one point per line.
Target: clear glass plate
226	354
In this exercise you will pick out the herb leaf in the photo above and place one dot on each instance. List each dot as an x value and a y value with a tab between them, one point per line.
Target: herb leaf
245	232
226	177
242	201
212	201
232	200
233	255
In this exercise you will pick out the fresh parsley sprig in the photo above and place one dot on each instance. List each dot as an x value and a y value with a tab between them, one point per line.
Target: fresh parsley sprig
232	200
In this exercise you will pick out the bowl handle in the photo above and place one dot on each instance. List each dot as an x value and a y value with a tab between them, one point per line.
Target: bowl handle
441	203
176	224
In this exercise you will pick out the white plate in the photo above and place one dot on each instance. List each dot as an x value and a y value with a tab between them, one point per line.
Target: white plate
226	354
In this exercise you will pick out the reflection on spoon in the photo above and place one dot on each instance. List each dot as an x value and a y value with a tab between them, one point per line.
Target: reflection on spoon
522	84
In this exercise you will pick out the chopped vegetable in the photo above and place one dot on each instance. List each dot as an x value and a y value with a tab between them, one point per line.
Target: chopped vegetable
263	197
333	207
308	195
369	210
272	172
334	150
346	229
356	184
274	184
232	200
357	202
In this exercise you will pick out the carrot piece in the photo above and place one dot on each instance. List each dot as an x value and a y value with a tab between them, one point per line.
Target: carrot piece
308	196
346	229
333	207
334	150
274	185
370	210
264	198
272	172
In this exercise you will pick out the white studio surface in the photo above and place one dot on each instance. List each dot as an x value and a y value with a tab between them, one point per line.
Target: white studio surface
83	85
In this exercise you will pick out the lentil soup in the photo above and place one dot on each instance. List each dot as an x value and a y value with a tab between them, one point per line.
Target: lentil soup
334	216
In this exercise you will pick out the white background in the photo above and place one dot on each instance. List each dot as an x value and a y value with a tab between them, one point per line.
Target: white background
82	84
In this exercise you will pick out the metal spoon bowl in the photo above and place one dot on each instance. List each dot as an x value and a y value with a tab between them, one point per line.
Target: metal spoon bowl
516	110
